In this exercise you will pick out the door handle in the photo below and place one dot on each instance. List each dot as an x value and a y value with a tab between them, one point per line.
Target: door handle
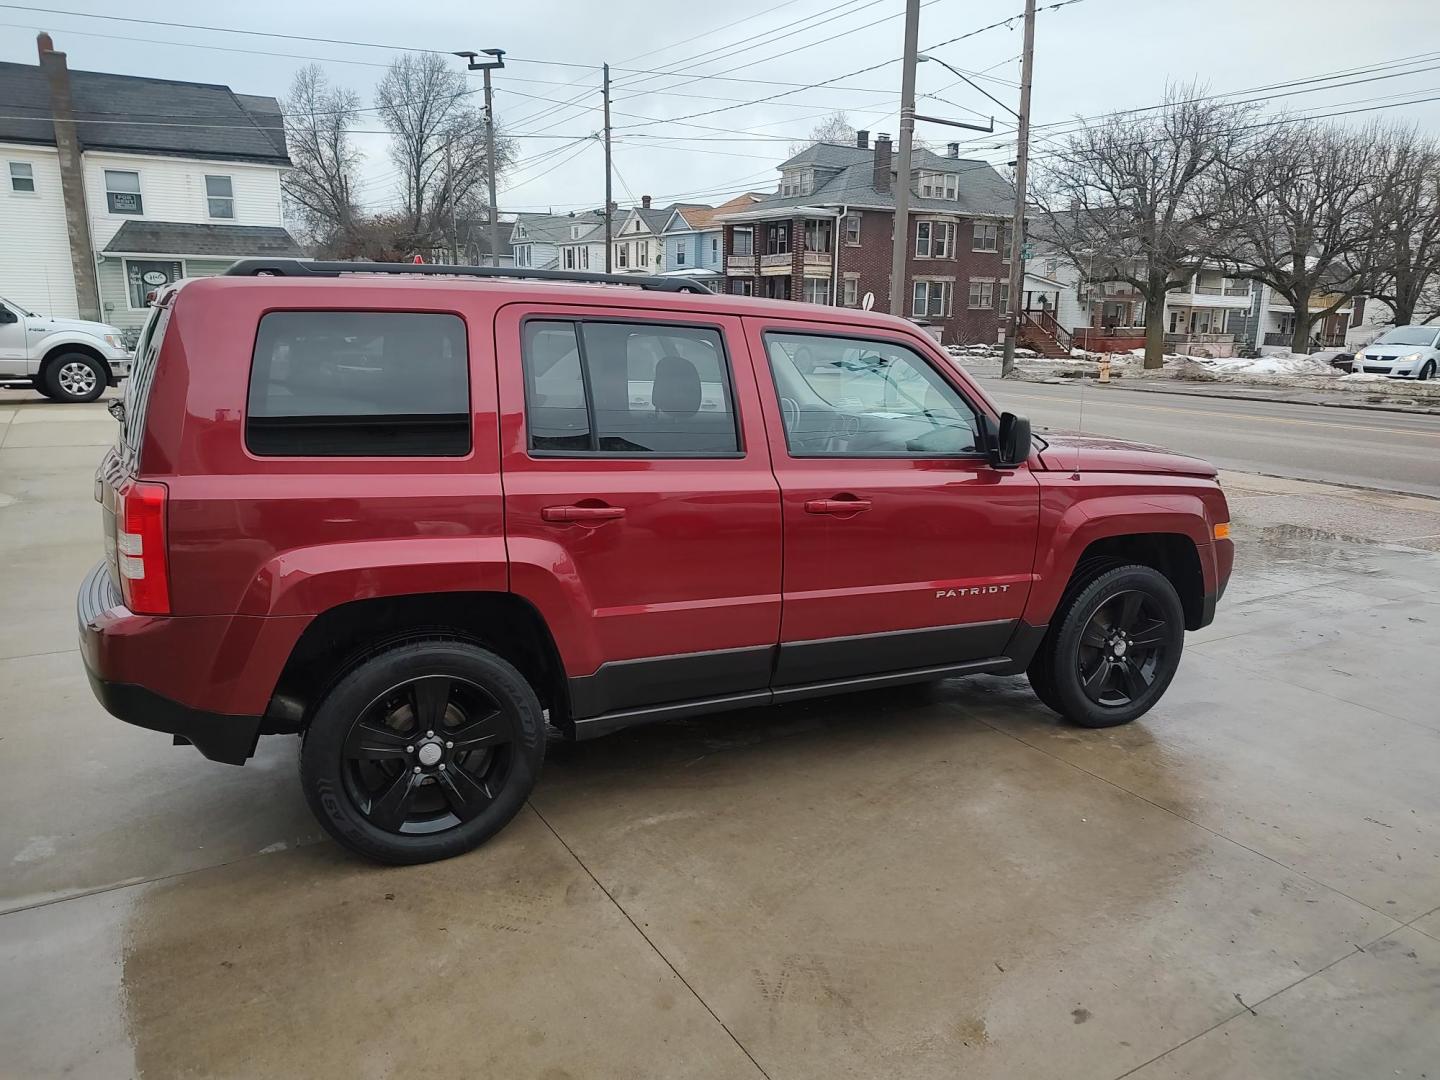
582	513
839	505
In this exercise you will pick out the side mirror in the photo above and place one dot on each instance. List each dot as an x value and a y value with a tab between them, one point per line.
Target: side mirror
1011	444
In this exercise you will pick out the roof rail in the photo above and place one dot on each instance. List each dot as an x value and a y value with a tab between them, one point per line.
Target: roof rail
298	268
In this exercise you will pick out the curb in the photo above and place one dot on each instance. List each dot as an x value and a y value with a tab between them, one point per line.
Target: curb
1412	410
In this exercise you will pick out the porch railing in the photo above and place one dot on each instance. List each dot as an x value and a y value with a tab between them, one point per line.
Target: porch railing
1047	324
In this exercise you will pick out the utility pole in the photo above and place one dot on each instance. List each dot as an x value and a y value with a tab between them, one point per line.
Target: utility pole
901	240
450	198
497	60
1017	224
609	223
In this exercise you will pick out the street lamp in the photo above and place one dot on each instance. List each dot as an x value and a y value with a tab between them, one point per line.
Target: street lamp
497	60
923	57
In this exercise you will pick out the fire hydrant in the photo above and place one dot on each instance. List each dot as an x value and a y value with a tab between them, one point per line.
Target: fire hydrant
1105	368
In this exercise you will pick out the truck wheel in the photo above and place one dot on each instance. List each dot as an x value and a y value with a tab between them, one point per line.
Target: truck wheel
75	377
1114	648
423	752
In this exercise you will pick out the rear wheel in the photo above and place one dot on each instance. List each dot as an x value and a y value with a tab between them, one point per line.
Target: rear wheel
1114	649
423	752
75	377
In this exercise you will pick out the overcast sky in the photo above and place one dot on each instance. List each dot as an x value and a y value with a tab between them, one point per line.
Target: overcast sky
1091	56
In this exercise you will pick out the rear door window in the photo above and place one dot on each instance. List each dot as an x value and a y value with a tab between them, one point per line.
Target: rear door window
359	384
614	388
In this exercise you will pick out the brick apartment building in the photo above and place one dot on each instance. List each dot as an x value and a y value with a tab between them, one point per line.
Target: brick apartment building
825	237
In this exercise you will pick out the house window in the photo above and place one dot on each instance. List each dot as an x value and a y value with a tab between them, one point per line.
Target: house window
642	256
982	294
939	185
934	239
574	232
622	256
931	299
742	287
220	196
22	177
817	290
585	258
850	297
796	183
742	242
987	237
122	192
1004	298
569	258
142	277
522	256
715	249
852	229
637	227
1007	241
777	242
817	236
680	253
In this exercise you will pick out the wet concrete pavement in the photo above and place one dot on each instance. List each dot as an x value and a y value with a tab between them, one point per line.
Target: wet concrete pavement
934	882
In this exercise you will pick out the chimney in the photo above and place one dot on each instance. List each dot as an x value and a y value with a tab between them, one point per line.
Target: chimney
952	149
72	177
645	201
882	162
862	140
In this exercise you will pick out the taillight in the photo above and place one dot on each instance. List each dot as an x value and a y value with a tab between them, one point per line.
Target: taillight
140	548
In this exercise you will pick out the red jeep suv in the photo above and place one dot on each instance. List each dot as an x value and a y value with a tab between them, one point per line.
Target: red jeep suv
414	514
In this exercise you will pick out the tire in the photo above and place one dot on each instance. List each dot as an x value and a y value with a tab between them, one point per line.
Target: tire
380	773
75	377
1114	647
1427	372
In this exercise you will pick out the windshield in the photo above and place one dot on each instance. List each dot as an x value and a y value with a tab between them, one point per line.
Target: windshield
1408	335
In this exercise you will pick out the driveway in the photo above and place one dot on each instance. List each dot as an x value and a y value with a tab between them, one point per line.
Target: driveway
934	883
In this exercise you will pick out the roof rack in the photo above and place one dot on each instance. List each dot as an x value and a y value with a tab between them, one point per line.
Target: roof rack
297	268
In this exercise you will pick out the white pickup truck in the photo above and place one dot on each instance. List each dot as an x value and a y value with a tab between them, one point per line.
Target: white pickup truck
64	359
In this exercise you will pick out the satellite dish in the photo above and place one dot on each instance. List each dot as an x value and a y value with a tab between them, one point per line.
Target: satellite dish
867	301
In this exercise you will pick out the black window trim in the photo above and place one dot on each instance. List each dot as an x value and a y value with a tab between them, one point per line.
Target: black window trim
577	321
469	389
979	414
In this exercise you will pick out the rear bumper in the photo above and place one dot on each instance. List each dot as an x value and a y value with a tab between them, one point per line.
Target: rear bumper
207	679
230	739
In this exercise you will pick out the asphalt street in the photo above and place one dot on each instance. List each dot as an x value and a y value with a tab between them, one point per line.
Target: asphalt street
1369	448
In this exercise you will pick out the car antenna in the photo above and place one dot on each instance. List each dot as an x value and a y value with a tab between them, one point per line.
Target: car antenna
1076	474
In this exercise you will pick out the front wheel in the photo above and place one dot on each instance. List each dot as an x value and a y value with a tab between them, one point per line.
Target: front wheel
75	377
1115	648
423	752
1427	372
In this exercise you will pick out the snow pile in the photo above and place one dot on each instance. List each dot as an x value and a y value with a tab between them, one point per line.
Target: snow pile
1362	376
1282	363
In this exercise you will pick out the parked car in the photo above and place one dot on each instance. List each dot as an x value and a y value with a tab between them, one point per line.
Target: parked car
1402	352
64	359
415	519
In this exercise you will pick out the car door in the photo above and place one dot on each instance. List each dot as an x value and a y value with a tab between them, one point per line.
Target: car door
12	340
642	515
904	547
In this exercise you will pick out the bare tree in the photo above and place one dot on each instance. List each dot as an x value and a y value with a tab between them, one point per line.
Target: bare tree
320	188
1405	226
438	142
1302	200
835	128
1135	198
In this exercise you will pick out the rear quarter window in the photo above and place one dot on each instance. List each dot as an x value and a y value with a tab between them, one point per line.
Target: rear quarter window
359	384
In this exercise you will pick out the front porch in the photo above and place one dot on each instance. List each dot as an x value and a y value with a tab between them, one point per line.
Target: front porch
782	254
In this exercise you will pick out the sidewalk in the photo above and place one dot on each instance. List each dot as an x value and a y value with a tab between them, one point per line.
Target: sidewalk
1390	396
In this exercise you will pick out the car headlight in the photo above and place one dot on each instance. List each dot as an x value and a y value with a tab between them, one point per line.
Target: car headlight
1409	359
115	341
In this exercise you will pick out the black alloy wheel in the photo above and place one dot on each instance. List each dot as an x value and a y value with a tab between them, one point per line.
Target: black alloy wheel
1114	645
423	751
427	755
1122	648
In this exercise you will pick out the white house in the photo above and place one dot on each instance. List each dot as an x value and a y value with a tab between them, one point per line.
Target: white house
97	211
